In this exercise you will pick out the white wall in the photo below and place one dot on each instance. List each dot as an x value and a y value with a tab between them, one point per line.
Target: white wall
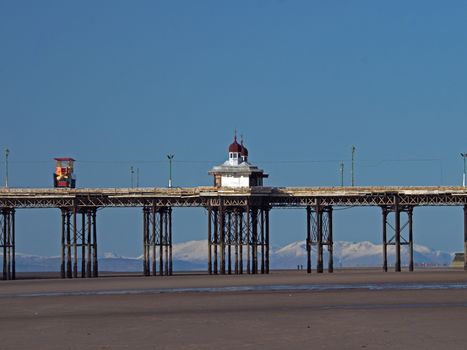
230	181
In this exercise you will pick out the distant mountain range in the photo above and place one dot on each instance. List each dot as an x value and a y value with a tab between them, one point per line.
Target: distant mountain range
192	255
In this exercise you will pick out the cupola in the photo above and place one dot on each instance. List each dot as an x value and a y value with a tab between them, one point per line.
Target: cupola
237	171
235	152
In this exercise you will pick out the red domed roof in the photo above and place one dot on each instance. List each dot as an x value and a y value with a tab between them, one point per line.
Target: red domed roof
244	151
235	147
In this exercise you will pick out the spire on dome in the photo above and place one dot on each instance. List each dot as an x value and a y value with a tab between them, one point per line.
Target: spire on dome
235	147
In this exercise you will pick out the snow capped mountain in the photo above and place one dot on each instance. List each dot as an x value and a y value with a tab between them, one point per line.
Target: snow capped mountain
110	255
360	254
192	251
192	255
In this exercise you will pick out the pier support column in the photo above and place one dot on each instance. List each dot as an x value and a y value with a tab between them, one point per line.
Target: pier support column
157	241
229	241
210	240
236	238
263	260
95	264
266	242
146	241
319	234
248	239
215	240
240	238
397	234
84	237
69	271
403	233
319	238
169	242
330	242
7	242
410	218
63	245
245	229
254	240
221	218
465	237
385	241
308	239
75	242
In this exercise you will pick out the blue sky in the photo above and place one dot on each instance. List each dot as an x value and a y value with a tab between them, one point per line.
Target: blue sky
118	84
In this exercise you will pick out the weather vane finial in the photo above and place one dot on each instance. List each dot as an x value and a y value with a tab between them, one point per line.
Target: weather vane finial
235	134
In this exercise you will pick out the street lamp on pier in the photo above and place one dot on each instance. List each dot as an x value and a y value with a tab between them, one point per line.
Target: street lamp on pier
132	172
170	157
353	166
463	155
7	153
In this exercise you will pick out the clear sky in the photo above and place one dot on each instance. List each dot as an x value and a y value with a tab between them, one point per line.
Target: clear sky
116	84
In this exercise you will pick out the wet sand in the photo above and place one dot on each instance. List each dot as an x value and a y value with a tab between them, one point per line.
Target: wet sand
132	312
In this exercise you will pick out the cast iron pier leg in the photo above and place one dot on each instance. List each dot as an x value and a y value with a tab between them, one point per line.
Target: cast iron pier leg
4	234
385	241
145	241
308	239
160	230
240	241
13	240
262	242
319	231
216	235
410	217
153	240
170	241
248	235
229	242
330	242
465	237
83	243
62	250
75	243
222	237
236	239
8	243
267	240
88	255
254	239
95	264
166	241
209	240
68	245
397	214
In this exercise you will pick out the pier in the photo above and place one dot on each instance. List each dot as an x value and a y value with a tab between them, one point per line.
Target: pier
238	228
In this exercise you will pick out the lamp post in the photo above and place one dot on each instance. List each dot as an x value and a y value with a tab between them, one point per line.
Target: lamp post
7	153
353	165
342	173
170	157
137	177
132	171
463	155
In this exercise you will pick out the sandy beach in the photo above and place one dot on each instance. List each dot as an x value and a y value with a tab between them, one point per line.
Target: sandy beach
349	309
